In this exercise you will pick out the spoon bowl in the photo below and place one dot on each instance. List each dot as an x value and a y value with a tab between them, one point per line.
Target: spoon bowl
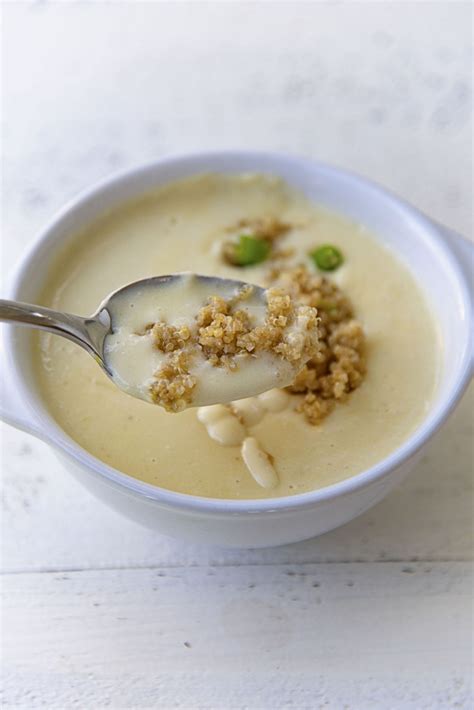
113	335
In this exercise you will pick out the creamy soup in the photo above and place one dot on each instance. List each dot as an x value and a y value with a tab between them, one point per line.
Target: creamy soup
380	375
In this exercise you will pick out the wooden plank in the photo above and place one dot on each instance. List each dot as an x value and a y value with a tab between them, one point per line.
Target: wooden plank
335	635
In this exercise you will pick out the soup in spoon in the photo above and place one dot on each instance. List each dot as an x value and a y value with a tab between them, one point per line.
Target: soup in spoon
196	340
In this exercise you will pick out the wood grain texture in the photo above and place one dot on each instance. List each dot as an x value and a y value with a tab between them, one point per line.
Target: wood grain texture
99	612
326	635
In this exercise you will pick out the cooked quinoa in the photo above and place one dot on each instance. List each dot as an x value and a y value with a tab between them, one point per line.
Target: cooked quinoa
222	332
268	228
167	338
338	367
173	386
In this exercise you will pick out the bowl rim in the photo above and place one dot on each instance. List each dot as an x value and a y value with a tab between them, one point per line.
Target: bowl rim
191	163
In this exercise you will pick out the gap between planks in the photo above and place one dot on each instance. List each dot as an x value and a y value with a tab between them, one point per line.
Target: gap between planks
226	565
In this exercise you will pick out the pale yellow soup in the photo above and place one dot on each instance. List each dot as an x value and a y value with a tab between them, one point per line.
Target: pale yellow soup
179	228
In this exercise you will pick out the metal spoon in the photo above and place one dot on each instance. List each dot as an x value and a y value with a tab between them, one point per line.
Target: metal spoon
91	332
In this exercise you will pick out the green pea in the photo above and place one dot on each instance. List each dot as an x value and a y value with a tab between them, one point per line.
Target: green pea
248	250
327	257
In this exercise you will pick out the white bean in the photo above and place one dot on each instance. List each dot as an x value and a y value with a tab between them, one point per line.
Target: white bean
212	413
258	463
249	411
274	400
227	431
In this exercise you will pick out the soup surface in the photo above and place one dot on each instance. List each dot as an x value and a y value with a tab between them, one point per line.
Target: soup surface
182	227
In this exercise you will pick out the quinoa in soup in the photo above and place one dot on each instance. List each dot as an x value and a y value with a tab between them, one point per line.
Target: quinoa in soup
363	392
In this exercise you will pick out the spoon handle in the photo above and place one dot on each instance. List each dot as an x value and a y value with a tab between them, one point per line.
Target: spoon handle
89	333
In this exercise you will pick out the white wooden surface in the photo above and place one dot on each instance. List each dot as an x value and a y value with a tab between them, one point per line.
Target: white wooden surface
98	612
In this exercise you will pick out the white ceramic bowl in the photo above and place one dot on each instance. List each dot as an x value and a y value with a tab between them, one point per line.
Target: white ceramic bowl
440	260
